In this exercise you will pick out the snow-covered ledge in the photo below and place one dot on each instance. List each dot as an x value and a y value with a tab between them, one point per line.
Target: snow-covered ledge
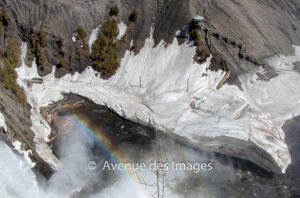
164	88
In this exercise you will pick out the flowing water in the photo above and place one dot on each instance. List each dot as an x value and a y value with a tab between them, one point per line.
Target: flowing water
91	137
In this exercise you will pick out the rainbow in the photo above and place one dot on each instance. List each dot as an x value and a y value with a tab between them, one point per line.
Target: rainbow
116	155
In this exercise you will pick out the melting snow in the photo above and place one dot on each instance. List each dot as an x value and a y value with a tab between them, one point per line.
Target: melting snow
74	35
39	126
2	122
163	87
282	62
93	36
17	146
122	30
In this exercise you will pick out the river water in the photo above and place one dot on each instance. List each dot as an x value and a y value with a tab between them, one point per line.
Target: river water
89	137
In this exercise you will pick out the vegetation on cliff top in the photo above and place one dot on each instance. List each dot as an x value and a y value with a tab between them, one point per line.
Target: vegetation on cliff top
62	62
133	16
114	11
42	38
8	76
5	18
105	53
61	53
195	36
4	21
40	57
38	42
81	33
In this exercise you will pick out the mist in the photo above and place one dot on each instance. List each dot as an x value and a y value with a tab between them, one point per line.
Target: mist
74	178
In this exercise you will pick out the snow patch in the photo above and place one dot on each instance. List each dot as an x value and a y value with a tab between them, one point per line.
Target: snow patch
74	35
93	36
122	30
17	146
285	62
2	122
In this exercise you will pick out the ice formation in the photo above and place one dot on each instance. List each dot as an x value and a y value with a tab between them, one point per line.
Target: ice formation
163	87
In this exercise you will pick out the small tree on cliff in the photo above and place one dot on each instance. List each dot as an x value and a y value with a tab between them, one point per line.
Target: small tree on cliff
133	16
195	36
81	33
114	11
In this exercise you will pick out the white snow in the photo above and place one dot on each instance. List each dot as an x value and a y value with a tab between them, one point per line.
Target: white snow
282	62
93	36
2	122
39	126
122	30
74	35
163	87
17	146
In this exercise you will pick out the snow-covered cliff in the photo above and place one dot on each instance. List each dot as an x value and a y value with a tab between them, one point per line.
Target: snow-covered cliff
162	86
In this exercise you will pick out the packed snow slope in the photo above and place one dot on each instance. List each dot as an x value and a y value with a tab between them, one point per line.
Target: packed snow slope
163	87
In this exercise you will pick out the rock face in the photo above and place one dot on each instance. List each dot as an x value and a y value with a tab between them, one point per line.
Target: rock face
266	28
18	129
61	18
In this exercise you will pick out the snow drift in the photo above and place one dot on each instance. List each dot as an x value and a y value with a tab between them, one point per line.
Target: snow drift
164	88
